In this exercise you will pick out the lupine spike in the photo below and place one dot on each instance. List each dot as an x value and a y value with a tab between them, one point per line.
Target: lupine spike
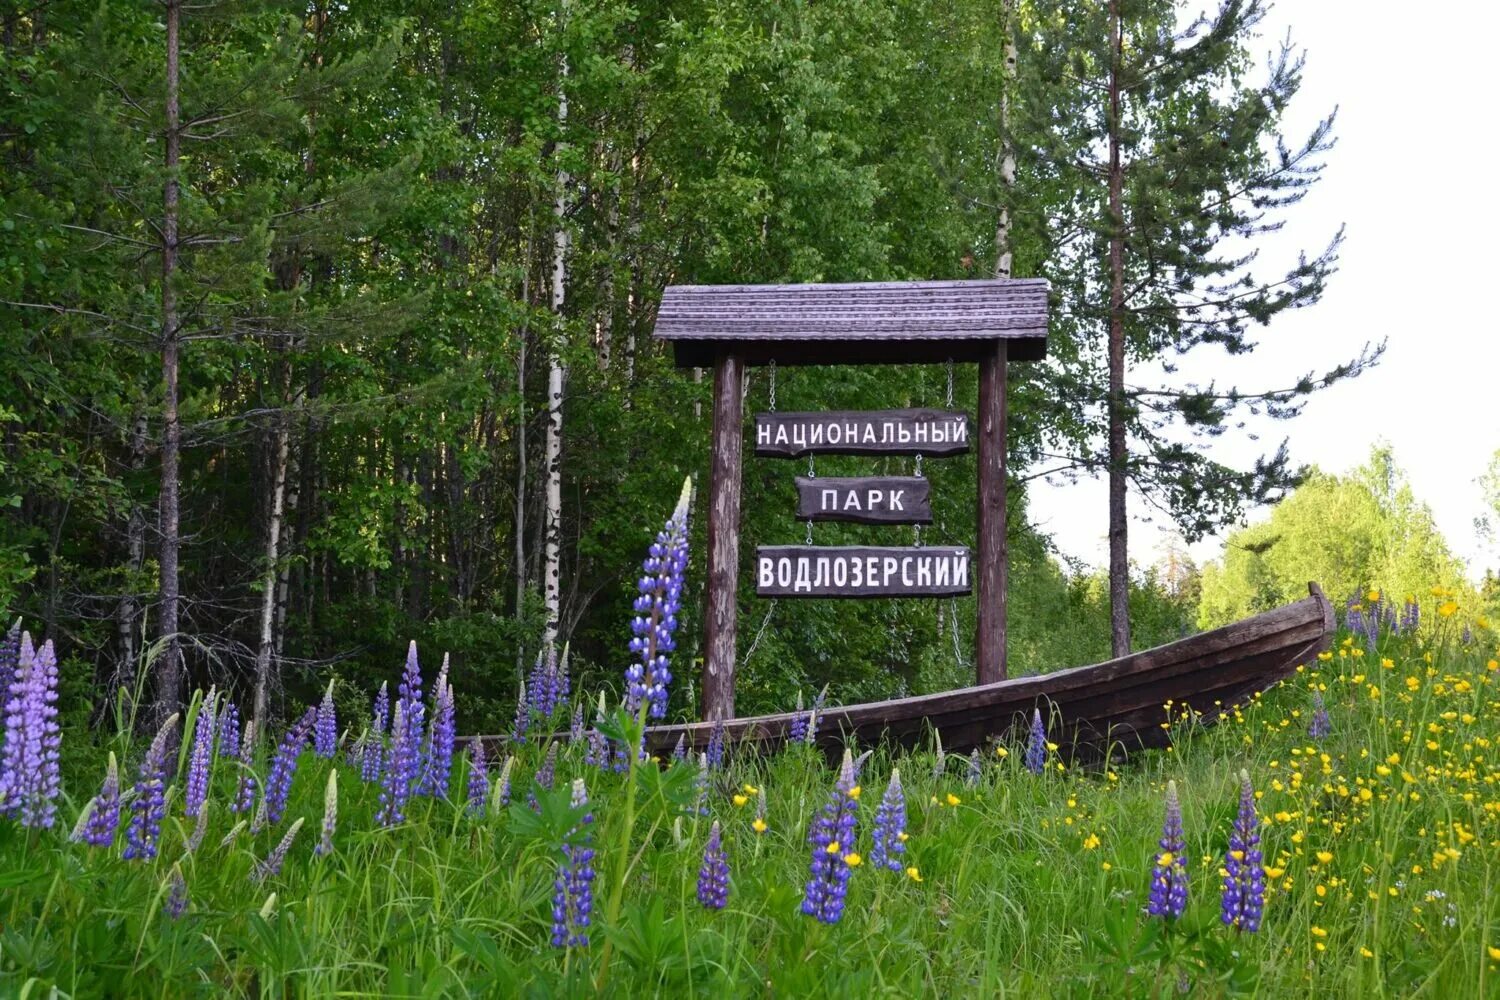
245	798
234	833
284	765
395	786
326	729
575	728
104	812
271	866
659	597
479	779
545	776
1243	897
972	779
832	838
149	803
573	889
523	716
700	785
200	763
940	765
229	731
409	695
679	751
175	904
713	875
29	776
1036	744
890	826
1169	876
10	663
1320	726
330	813
500	798
715	750
759	825
814	714
796	730
200	828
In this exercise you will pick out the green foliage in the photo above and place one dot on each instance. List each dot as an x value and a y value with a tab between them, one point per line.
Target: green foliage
1350	534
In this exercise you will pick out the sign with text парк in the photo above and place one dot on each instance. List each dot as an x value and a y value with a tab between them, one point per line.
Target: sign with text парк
864	499
861	571
862	432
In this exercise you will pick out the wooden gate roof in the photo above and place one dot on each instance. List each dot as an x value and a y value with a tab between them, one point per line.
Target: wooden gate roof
887	322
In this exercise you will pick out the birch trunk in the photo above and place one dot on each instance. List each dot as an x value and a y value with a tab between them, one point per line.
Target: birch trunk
1119	559
266	647
521	423
552	513
1006	159
169	669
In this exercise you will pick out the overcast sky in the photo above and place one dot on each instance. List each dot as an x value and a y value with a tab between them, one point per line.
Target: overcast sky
1412	178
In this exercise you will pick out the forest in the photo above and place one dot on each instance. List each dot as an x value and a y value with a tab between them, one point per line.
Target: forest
328	327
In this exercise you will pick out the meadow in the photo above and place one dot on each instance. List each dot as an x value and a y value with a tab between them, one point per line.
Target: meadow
1380	841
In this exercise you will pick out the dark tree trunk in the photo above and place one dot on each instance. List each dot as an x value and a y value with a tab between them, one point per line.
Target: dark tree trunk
1119	558
169	667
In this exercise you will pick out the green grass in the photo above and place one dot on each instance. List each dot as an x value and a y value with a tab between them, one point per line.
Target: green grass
1015	898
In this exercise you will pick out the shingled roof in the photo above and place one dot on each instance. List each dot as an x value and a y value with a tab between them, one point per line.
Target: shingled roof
867	322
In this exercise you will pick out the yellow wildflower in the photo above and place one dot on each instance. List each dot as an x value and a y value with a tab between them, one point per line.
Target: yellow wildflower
740	800
954	800
832	848
854	792
1090	842
759	826
1324	857
913	874
852	860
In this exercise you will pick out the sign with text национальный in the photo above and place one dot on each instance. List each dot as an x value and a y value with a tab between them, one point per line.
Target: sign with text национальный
862	432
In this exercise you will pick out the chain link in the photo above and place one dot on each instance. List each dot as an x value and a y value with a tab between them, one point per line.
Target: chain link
773	385
948	399
918	465
812	473
958	653
809	532
916	532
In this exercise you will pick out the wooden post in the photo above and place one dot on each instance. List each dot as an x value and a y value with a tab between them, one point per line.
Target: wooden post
723	537
989	661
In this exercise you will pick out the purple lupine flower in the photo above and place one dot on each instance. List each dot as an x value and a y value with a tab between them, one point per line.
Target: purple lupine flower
409	696
479	779
1354	616
1411	616
98	830
148	806
371	757
575	727
439	757
29	779
679	749
715	750
244	798
1244	891
395	787
1169	876
10	659
1320	725
175	905
573	889
890	827
330	814
523	716
1467	636
596	753
271	866
796	729
1036	744
562	687
326	727
656	607
229	730
713	876
381	710
542	686
831	838
284	765
972	777
200	763
545	776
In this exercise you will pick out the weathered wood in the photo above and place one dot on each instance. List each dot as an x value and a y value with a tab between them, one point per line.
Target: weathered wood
1121	700
815	324
862	432
723	539
989	655
865	499
861	571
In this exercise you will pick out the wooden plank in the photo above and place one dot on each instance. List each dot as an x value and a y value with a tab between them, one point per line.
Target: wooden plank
1120	697
825	351
930	432
865	499
989	655
861	571
723	539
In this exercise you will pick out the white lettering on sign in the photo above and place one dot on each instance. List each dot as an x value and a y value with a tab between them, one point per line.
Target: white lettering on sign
860	571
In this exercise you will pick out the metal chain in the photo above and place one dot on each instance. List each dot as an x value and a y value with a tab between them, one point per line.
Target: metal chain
809	532
918	465
916	531
773	385
948	404
958	653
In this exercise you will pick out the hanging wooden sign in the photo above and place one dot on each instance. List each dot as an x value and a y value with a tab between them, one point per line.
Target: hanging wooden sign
861	571
864	499
862	432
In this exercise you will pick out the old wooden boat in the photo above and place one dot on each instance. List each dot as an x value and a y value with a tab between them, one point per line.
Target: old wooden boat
1116	705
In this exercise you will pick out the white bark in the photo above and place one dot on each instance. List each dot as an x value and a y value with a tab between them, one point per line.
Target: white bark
1006	160
266	646
556	371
